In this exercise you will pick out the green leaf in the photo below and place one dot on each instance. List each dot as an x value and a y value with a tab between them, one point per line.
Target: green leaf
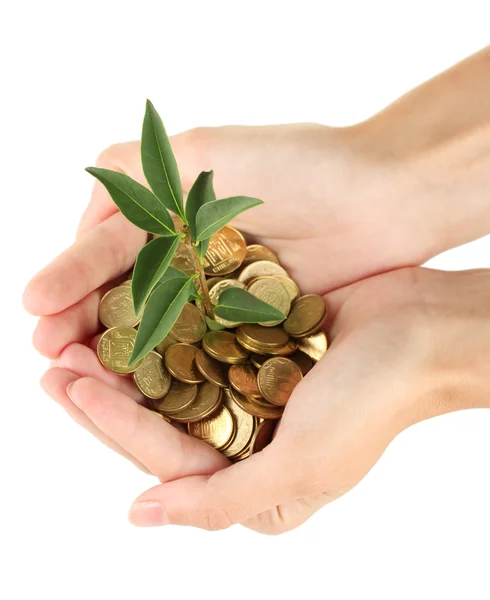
136	202
200	193
172	273
237	305
195	296
203	248
213	325
161	312
159	164
151	263
214	215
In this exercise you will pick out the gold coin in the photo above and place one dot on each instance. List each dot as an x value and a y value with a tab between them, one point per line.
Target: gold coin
151	377
244	379
242	456
183	259
180	361
274	293
115	348
207	402
307	315
222	346
256	252
215	430
246	451
262	436
291	287
127	283
212	281
179	397
213	370
245	426
260	269
190	327
277	378
232	438
314	345
258	359
226	252
257	336
256	409
304	362
116	308
214	294
165	344
285	350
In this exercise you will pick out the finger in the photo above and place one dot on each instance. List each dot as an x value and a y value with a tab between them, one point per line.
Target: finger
99	256
166	452
288	516
54	382
234	495
84	362
75	324
94	342
124	158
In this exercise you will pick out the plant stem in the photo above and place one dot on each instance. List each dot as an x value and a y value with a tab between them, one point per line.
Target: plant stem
202	286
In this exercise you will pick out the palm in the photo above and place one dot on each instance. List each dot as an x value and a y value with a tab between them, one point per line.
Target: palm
337	424
354	402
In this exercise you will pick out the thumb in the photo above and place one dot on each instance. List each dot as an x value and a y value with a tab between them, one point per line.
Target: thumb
232	495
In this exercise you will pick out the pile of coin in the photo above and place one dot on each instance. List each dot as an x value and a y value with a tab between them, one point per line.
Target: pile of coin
228	387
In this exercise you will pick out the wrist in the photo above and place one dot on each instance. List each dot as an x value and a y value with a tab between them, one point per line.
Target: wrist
455	369
405	186
439	159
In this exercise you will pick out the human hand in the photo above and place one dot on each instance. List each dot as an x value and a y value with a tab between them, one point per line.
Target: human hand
67	292
406	347
365	197
313	181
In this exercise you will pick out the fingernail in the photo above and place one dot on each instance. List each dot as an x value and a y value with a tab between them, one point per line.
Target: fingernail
68	391
147	514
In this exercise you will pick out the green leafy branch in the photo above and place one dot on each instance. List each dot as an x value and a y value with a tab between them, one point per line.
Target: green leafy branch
159	290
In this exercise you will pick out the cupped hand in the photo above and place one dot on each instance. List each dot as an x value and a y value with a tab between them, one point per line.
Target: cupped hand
405	348
332	212
327	205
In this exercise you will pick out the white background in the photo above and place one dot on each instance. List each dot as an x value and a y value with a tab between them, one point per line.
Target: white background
75	77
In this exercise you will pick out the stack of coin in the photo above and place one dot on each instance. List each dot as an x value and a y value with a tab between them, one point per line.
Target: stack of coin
228	387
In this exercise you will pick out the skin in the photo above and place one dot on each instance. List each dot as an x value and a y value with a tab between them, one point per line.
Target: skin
343	209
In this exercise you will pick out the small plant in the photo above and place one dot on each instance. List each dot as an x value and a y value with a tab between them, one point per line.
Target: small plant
159	290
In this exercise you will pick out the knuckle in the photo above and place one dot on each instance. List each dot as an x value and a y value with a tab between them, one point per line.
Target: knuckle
217	519
108	157
278	523
300	474
275	521
279	528
307	486
312	478
196	144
